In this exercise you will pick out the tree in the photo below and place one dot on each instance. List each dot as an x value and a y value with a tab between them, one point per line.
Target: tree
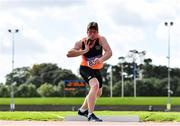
42	73
18	76
4	90
154	83
49	73
148	61
39	74
26	90
64	74
36	80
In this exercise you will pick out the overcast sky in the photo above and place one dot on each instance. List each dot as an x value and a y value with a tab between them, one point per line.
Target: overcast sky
49	28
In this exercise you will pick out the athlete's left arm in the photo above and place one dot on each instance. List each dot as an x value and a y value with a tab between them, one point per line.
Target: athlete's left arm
106	48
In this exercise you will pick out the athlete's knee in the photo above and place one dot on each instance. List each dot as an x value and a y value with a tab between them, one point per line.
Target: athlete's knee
94	84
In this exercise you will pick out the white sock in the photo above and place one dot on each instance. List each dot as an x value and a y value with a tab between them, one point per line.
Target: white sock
82	110
89	114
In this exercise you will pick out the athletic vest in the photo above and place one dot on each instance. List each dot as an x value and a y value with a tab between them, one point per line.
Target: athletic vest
88	59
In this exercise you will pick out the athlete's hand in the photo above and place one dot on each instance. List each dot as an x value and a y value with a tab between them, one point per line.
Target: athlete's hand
98	61
86	43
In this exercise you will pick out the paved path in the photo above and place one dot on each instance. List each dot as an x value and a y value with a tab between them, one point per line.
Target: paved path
63	123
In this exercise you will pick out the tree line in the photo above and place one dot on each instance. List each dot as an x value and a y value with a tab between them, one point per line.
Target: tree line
47	80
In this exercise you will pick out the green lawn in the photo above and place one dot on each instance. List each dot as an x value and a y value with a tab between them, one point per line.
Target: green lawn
100	101
144	116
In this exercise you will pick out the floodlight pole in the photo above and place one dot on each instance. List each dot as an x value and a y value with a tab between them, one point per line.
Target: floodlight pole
134	52
122	59
12	104
169	24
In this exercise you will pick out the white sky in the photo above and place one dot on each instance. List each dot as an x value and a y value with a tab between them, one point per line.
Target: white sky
49	28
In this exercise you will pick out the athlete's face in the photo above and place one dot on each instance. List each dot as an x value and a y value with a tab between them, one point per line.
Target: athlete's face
92	34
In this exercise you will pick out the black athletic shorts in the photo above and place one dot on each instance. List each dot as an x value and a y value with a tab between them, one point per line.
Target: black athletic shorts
87	74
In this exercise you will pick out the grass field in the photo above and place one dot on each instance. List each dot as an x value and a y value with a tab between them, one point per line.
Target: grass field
100	101
59	116
144	116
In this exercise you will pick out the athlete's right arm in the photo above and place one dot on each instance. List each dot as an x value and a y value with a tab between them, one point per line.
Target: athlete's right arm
77	51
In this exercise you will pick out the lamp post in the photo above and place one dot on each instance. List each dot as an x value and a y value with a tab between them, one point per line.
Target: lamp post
134	52
12	105
169	24
122	59
141	56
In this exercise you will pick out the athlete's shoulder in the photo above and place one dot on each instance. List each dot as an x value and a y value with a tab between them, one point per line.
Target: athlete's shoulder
83	39
102	39
78	44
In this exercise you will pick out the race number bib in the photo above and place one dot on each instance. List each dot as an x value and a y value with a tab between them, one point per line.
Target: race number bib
91	62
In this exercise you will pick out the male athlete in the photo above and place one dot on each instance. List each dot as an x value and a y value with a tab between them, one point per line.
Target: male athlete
91	49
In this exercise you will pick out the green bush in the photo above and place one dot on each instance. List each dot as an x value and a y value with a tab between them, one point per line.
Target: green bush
128	88
46	90
175	86
59	89
105	91
26	90
117	89
4	90
146	87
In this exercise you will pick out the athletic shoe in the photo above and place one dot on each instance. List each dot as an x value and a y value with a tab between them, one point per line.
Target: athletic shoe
92	117
85	113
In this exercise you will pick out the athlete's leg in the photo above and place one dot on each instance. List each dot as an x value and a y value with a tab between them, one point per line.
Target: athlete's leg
91	98
84	105
99	77
85	72
94	79
99	92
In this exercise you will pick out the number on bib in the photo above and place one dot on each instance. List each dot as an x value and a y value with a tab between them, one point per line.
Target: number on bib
91	62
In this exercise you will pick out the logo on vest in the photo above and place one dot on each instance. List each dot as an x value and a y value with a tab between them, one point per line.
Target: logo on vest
98	47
